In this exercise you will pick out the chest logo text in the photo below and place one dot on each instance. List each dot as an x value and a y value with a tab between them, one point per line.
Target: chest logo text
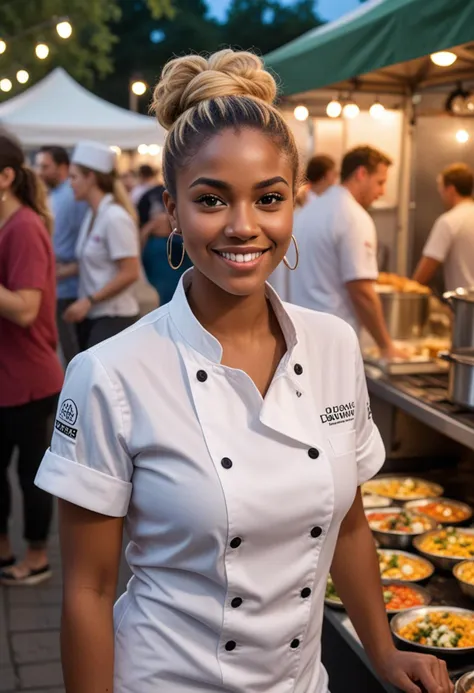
341	413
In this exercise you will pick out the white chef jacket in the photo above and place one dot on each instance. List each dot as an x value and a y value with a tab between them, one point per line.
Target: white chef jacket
451	242
337	241
112	237
233	502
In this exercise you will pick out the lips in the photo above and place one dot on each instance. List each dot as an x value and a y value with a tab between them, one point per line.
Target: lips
241	257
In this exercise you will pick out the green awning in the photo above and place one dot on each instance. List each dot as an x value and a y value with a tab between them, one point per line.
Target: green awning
379	34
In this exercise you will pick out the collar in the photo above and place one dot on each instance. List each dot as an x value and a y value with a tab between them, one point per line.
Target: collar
205	343
105	202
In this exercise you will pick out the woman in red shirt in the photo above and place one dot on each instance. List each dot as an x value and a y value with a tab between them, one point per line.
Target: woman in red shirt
30	372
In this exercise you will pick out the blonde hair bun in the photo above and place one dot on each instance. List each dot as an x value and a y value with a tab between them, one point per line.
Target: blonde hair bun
188	81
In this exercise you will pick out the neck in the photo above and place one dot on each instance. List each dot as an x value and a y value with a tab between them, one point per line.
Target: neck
8	207
94	198
225	315
460	199
319	187
351	186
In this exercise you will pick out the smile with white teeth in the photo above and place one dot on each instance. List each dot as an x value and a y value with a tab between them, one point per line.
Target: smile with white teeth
240	257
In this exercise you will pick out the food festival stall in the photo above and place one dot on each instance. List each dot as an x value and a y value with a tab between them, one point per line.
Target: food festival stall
395	53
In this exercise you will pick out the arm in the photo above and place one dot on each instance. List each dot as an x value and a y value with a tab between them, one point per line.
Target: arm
368	309
426	270
90	546
358	584
64	270
21	307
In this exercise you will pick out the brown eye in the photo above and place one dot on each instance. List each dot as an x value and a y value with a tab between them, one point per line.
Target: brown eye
209	201
271	199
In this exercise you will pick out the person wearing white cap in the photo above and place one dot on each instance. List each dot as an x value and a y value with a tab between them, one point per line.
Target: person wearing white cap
107	249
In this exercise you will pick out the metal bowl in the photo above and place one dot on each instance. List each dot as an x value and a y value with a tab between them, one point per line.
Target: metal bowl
373	502
405	617
417	506
465	684
443	562
467	588
394	539
429	566
436	489
426	596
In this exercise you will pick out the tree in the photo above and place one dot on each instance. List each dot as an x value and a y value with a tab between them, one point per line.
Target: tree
89	50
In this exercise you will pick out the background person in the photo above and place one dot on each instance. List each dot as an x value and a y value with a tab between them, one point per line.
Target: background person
30	373
146	179
52	164
107	248
338	248
451	241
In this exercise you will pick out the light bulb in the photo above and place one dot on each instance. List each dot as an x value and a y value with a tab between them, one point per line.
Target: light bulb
462	136
301	113
334	109
377	111
42	51
64	29
443	58
458	105
470	103
22	76
154	149
142	149
3	46
351	110
116	149
139	88
5	84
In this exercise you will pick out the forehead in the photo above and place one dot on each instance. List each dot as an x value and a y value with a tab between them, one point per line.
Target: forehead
239	157
381	170
45	158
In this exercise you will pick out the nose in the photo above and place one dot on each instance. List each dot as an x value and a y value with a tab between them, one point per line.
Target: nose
241	223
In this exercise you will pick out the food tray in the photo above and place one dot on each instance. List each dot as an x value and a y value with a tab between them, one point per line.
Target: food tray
416	365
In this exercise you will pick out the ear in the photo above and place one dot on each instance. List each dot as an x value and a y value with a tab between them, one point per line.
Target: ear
7	178
170	206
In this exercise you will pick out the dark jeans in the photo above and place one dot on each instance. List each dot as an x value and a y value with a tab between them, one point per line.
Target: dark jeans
26	427
68	337
92	331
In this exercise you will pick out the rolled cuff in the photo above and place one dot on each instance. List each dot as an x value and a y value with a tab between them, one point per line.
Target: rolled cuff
370	457
83	486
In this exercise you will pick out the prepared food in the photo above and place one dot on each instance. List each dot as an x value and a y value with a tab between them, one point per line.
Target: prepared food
398	521
401	284
450	542
402	488
465	572
399	566
440	629
399	597
371	501
442	510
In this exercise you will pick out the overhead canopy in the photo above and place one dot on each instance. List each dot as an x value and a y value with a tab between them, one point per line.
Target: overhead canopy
58	110
384	46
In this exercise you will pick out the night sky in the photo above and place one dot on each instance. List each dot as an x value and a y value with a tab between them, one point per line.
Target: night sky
327	9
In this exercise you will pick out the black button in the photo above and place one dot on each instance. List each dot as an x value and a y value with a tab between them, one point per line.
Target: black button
298	368
316	532
226	463
295	643
313	453
236	602
235	543
201	376
230	645
305	592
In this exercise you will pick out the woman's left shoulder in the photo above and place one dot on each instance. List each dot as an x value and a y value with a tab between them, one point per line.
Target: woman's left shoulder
321	329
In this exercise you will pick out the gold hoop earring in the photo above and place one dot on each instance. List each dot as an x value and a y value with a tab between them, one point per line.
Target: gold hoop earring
4	196
287	264
169	250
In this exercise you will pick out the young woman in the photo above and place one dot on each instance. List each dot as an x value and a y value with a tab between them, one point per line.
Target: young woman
30	373
107	248
206	427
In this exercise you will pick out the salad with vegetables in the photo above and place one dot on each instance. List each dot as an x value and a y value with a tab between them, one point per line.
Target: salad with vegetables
441	629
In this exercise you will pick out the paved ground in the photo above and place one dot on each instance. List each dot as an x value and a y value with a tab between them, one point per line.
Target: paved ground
29	624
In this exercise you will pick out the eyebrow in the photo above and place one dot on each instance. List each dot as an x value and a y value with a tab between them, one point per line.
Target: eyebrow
222	185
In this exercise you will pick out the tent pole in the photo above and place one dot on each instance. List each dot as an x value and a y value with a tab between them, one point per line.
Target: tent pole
404	197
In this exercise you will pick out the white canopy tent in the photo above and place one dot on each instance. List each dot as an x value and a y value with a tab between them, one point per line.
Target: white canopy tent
58	110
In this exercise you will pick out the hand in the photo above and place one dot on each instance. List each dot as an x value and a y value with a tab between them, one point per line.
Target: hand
392	352
60	267
414	673
77	311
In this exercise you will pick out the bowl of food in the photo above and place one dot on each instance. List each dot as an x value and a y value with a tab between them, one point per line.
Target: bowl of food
370	500
401	565
444	510
399	596
465	684
395	528
446	547
435	629
464	574
402	488
331	597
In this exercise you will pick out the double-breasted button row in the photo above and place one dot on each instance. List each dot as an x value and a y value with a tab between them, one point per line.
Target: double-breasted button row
231	644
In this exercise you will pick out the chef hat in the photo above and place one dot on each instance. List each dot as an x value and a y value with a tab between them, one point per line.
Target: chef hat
96	156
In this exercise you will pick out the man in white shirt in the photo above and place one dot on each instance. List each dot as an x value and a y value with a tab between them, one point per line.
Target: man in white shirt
338	248
451	241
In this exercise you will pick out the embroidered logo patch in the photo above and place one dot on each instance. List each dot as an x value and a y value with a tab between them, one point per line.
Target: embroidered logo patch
68	431
68	412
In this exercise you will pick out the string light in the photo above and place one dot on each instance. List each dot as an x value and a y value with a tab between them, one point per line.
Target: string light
377	111
139	88
462	136
42	51
443	58
351	110
154	149
22	76
5	84
3	46
142	149
301	113
64	29
334	109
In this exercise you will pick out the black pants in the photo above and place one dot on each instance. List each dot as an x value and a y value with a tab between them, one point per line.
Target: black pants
26	427
92	331
67	331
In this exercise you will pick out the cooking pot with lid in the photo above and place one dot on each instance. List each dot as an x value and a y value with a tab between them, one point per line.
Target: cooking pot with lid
461	377
461	302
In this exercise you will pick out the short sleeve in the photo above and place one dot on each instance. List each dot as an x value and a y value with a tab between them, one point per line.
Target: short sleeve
357	249
88	463
30	258
370	451
121	234
439	241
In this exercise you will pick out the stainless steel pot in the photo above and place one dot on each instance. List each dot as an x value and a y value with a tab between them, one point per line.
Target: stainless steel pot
461	377
406	314
461	303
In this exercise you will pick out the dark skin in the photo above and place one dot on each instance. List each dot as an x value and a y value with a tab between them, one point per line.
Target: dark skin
243	207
